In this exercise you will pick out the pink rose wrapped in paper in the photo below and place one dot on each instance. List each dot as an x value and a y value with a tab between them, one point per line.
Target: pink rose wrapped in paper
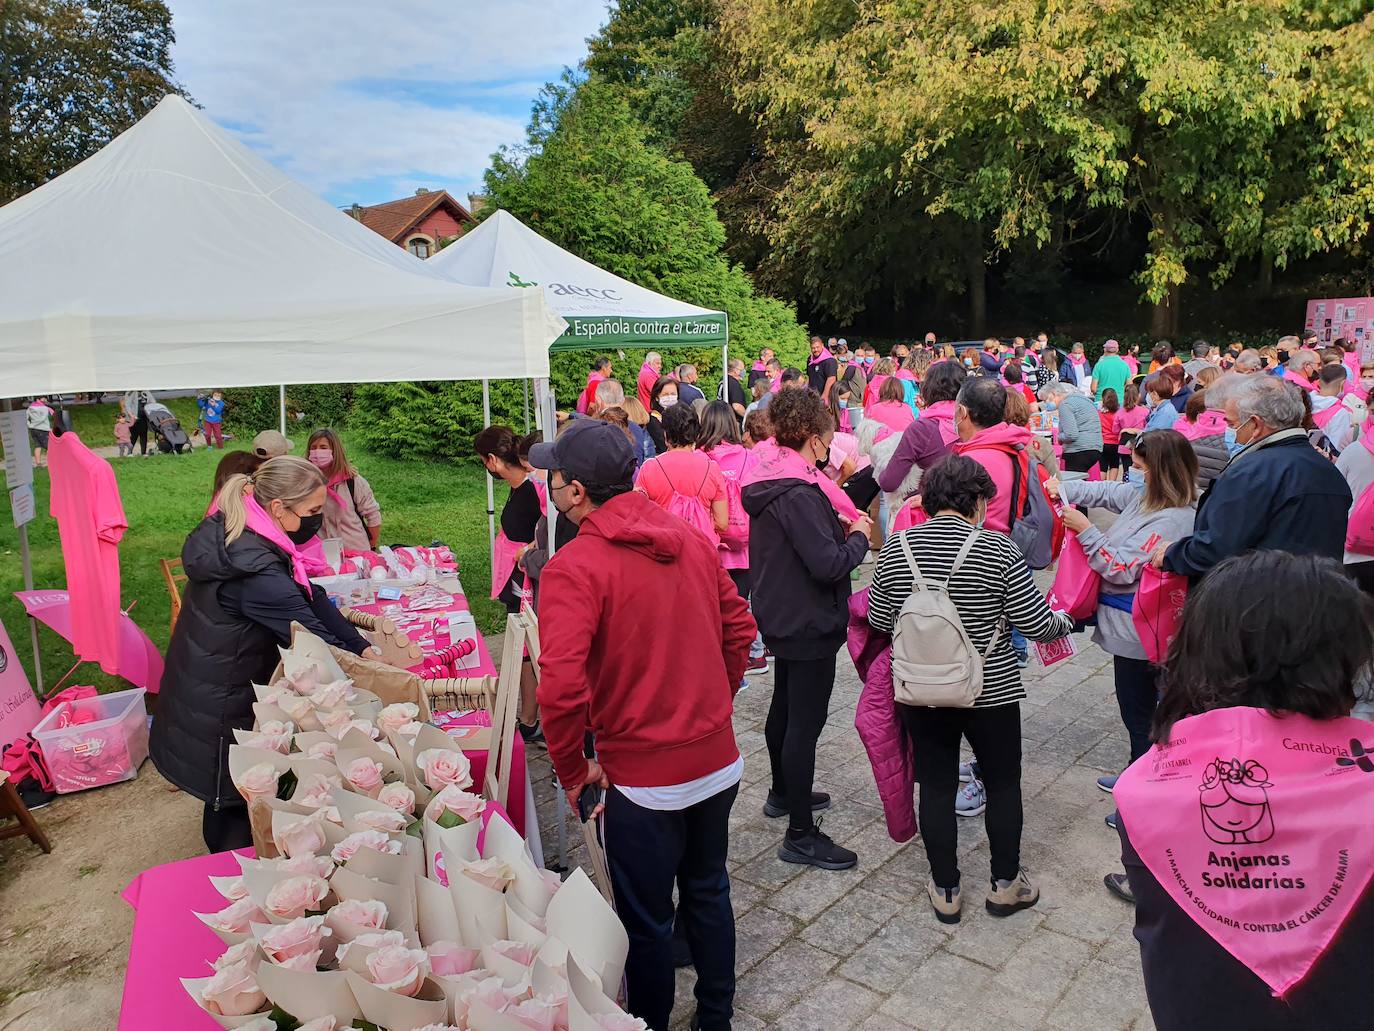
245	952
259	1024
301	937
353	918
327	1023
302	838
449	959
232	888
493	873
374	940
375	840
453	807
518	952
293	897
325	750
333	695
258	781
235	917
273	735
398	797
302	682
295	706
398	969
442	767
233	992
364	776
489	991
619	1022
338	722
316	790
315	866
389	822
537	1013
397	715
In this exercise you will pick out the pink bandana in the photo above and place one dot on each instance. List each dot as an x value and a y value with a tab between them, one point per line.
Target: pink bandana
1261	828
266	527
775	462
943	414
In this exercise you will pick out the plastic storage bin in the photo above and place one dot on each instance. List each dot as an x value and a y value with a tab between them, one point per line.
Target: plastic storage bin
108	747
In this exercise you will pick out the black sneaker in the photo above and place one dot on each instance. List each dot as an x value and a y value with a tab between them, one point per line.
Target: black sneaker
33	796
775	806
532	733
1120	886
815	848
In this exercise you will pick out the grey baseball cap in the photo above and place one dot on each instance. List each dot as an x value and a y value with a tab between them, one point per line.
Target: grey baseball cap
594	452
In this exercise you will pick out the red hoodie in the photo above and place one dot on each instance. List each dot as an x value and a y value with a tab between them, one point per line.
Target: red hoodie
644	640
992	449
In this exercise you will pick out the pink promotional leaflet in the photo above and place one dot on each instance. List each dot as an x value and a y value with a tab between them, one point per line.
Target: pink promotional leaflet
1261	828
1350	317
19	709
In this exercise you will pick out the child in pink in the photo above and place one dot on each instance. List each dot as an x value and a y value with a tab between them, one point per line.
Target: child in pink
121	435
1130	416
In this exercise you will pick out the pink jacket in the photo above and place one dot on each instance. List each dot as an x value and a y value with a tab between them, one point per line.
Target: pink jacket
895	415
875	718
1210	423
989	449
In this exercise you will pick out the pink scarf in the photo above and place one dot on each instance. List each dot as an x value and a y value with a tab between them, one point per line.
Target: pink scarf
1260	828
760	367
775	462
334	496
943	414
266	527
1209	424
1296	378
825	353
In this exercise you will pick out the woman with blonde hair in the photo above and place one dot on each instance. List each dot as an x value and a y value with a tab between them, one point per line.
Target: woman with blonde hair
246	585
351	512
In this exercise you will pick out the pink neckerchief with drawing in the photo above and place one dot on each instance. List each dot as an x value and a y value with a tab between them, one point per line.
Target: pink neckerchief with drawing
1261	828
776	462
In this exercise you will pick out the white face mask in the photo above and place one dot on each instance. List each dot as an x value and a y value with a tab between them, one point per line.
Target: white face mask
667	401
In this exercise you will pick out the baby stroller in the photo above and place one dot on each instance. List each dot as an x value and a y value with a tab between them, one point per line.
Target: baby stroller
171	438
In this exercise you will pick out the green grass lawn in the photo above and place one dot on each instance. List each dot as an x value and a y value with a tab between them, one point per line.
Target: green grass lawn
166	495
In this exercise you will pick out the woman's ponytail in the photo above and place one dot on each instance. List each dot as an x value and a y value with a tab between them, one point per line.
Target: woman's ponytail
231	506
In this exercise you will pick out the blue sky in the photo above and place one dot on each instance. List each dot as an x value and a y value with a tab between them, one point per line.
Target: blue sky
367	101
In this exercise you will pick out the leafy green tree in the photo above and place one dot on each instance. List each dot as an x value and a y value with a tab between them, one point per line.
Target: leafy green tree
591	182
1227	129
74	74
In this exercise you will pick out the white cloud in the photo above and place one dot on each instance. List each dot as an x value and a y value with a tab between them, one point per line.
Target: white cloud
351	91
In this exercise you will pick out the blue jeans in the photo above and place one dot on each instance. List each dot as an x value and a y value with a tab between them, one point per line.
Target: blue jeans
649	850
1018	643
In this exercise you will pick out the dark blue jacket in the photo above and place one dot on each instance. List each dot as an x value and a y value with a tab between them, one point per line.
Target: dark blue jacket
1281	497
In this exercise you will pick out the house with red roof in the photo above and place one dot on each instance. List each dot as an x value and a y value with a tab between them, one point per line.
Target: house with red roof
420	224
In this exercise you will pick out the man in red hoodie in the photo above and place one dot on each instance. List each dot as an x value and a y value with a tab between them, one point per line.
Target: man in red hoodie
660	718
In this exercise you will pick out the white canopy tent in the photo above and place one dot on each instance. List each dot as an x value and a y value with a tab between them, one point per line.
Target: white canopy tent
602	310
176	257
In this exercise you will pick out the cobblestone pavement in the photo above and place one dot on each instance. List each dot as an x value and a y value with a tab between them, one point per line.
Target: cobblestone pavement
861	949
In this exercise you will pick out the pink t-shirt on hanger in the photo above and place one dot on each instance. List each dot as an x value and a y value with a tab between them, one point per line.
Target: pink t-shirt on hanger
90	519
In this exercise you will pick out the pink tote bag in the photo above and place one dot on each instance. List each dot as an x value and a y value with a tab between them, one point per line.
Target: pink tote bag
1075	586
1158	607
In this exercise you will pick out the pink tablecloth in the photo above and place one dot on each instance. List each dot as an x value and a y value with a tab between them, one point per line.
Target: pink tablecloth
169	943
484	668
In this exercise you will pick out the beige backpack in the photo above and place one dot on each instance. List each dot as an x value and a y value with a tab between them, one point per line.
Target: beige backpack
933	661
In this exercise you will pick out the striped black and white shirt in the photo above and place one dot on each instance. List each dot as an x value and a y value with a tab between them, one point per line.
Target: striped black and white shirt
993	582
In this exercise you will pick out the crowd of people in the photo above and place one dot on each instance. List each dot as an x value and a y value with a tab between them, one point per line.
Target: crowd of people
946	470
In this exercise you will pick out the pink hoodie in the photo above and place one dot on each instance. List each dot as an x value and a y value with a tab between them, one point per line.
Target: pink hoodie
895	415
1210	423
989	448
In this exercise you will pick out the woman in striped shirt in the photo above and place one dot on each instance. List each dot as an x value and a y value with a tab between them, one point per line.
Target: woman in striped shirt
992	591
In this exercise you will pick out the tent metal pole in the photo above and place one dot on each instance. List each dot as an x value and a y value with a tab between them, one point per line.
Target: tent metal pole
281	406
525	390
551	419
491	495
725	373
6	406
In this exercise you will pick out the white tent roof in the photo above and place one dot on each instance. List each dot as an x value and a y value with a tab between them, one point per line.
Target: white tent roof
176	257
602	309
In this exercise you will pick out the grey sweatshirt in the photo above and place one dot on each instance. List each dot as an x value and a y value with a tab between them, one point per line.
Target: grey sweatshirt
1120	553
1080	428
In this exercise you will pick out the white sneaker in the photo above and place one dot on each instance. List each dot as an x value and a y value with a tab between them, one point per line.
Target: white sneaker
971	800
965	772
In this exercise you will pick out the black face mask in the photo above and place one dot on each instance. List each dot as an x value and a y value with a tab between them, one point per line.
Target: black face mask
310	526
823	461
1283	356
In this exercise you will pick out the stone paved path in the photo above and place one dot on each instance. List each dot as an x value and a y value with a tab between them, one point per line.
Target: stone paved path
861	949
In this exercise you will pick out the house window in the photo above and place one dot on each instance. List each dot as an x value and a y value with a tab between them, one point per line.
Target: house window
419	247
